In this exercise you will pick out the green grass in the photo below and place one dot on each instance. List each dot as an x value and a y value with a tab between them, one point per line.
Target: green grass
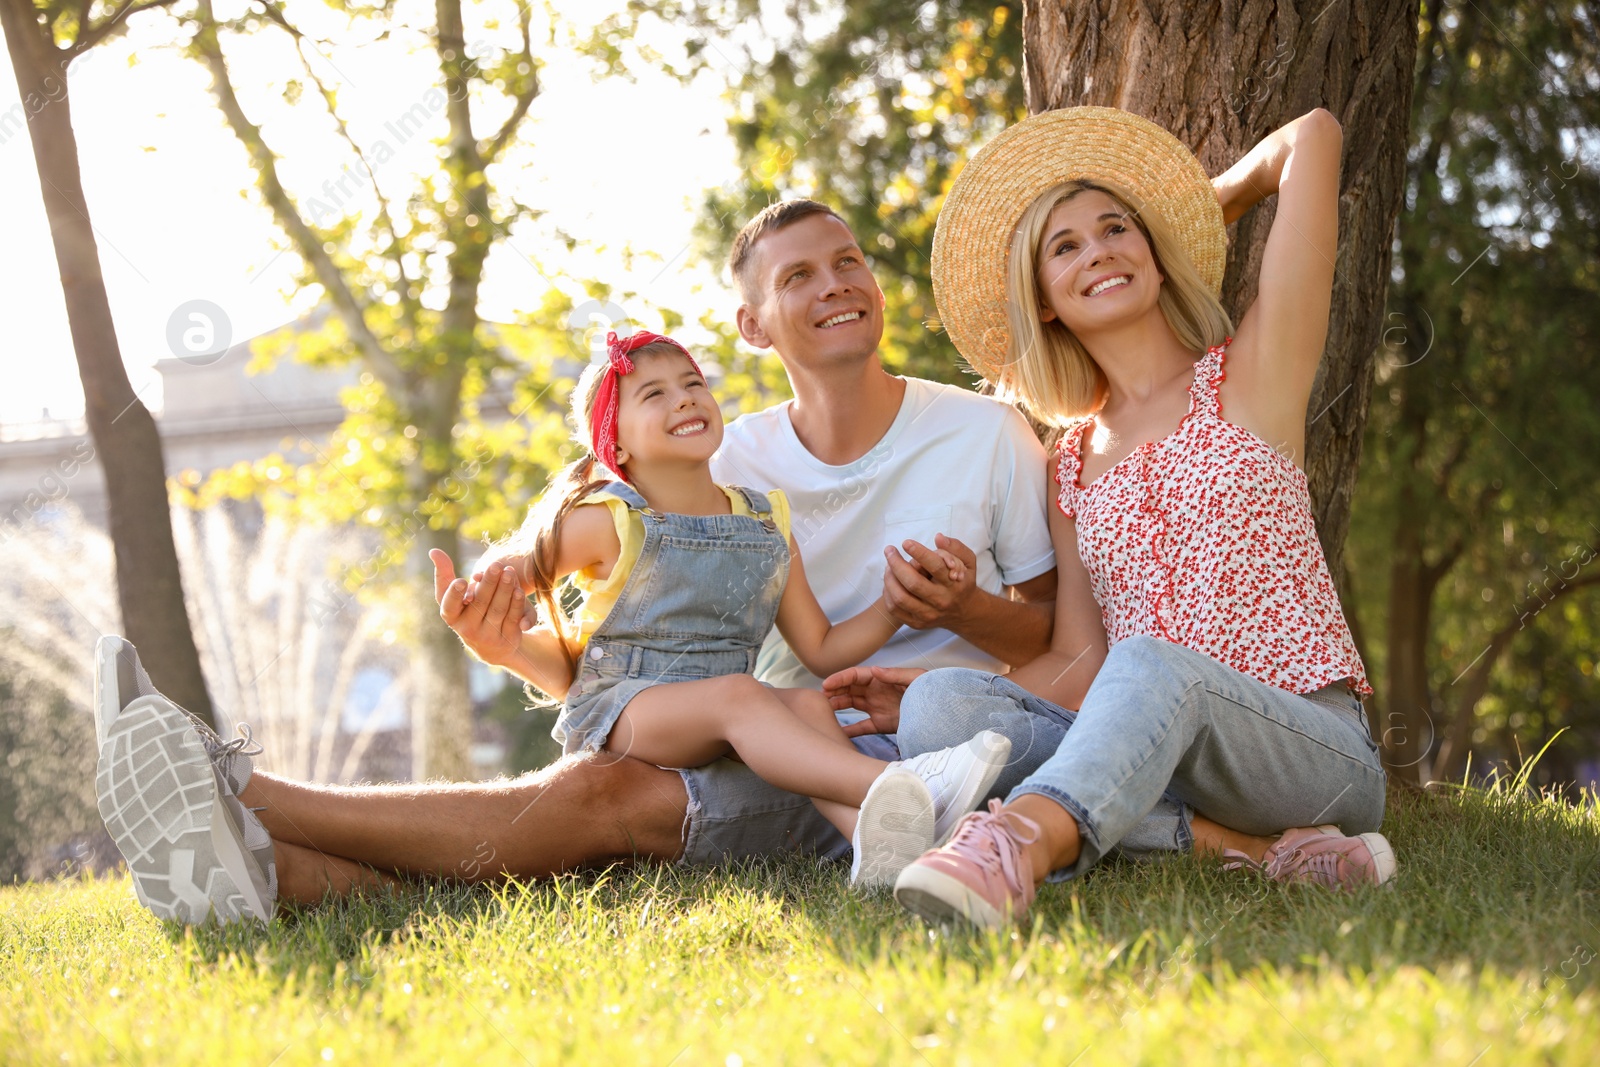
1478	953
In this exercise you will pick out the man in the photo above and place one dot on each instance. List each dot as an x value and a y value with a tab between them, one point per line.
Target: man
873	464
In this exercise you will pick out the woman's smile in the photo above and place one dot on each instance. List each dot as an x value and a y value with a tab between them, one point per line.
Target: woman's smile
1106	283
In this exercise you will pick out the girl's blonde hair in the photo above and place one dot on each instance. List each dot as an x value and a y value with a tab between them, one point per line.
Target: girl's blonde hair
540	533
1049	372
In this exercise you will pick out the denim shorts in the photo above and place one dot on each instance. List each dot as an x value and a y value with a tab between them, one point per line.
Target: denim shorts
734	815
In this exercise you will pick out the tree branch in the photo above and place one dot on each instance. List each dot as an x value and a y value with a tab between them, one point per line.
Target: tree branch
1433	572
377	360
88	38
1448	467
395	253
524	97
1453	749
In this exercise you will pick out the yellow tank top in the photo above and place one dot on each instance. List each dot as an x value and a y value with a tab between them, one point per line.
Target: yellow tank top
600	595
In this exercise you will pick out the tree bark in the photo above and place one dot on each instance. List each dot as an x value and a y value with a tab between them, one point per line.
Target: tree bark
1221	77
149	586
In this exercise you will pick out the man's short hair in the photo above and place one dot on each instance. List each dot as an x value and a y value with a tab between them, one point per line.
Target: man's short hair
773	218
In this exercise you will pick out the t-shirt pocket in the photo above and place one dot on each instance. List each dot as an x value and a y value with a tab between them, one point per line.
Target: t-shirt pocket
916	524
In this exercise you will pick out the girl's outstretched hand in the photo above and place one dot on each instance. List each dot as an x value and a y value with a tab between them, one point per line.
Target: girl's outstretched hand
491	624
874	690
516	561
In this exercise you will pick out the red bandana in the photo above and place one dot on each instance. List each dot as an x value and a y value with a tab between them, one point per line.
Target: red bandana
603	420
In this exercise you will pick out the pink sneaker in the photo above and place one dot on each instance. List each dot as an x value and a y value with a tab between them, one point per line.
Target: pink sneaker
1321	855
983	875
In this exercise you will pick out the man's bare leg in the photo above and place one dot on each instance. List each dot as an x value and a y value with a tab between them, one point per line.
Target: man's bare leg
577	812
306	876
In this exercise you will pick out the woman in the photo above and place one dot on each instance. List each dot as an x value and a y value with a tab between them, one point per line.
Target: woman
1198	633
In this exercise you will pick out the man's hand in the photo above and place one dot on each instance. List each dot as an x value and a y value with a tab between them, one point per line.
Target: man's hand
874	690
491	623
934	587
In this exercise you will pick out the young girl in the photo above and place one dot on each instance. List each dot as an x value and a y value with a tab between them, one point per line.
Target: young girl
681	581
1076	264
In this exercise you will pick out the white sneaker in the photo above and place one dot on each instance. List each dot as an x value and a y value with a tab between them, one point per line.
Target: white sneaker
166	790
895	826
120	679
959	778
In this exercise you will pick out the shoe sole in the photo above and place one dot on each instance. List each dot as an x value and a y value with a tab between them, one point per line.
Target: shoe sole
107	684
939	898
993	756
895	827
1383	861
161	800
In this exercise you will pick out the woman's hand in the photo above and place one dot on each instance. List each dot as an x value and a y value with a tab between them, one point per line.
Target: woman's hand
874	690
1260	173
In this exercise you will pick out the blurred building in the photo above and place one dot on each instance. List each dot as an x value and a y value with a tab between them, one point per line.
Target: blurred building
212	415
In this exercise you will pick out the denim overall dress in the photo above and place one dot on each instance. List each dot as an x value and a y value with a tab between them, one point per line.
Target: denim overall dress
698	603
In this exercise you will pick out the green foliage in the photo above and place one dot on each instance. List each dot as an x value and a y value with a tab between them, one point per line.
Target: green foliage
871	108
453	417
1479	469
46	801
1482	951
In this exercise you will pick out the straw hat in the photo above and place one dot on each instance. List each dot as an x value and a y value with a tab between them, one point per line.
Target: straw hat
972	240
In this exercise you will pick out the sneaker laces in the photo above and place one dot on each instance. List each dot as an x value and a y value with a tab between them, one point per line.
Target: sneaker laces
218	749
993	839
1234	860
230	757
1298	864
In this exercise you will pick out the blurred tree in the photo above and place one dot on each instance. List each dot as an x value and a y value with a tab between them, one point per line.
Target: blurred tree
403	281
869	107
48	821
43	39
1473	554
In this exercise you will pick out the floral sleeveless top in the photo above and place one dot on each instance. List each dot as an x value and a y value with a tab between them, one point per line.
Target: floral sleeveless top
1205	538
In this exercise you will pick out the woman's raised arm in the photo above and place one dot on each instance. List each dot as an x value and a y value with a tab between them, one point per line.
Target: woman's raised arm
1273	361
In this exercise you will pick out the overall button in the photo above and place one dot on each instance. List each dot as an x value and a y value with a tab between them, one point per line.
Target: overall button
596	652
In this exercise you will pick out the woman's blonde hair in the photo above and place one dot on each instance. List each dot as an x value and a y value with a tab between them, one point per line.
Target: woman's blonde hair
1049	372
539	535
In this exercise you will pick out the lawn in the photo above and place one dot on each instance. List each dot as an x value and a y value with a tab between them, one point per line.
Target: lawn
1479	952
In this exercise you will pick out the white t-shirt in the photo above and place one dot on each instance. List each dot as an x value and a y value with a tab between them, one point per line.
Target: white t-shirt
953	462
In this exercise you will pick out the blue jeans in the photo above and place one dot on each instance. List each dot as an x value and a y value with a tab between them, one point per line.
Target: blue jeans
1165	732
948	707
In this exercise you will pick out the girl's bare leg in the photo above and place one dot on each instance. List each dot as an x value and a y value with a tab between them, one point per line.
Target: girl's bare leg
812	708
686	724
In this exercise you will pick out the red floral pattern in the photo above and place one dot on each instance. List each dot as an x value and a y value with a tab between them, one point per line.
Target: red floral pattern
1205	538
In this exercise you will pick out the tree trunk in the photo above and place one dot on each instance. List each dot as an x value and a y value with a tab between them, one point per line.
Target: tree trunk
149	587
1406	728
441	712
1221	77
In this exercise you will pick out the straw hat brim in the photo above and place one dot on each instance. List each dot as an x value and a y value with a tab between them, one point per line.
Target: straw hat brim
972	239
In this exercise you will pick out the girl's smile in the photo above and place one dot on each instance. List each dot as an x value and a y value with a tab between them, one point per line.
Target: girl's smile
667	414
690	428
